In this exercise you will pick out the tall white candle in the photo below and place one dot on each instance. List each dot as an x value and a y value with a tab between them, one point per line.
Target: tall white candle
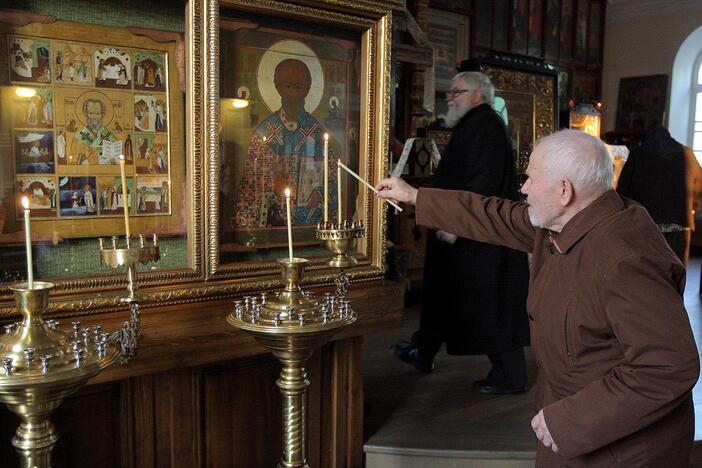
125	199
287	208
326	177
338	191
28	242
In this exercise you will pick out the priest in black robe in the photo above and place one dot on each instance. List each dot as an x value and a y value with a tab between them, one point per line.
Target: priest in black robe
474	294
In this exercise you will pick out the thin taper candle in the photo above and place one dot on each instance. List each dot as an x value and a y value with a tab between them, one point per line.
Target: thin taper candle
326	177
338	190
373	189
125	200
287	208
28	242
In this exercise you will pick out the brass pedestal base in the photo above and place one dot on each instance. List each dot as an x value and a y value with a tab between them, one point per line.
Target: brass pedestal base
292	325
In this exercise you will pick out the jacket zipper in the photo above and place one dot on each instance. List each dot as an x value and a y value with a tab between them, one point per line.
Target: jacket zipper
565	333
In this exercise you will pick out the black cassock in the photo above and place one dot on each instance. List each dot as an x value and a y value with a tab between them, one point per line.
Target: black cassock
474	296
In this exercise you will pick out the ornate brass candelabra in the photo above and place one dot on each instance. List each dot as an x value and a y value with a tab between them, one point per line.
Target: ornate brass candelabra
292	324
41	364
340	239
117	253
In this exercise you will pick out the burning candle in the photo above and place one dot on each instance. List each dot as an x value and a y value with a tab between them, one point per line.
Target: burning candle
287	208
28	242
125	200
326	177
338	190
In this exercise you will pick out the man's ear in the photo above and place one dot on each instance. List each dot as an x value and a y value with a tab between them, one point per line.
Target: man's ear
567	192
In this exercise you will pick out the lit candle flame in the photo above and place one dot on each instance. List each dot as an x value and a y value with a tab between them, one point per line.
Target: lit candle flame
287	193
326	136
25	203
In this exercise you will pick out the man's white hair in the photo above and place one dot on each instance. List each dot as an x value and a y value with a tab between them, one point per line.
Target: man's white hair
480	82
578	157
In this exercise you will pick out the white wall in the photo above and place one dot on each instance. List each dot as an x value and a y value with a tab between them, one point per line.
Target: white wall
637	45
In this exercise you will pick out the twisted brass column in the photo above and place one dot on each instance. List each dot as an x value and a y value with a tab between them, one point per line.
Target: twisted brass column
292	325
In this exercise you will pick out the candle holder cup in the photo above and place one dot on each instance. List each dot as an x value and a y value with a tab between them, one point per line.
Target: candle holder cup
42	365
340	239
292	324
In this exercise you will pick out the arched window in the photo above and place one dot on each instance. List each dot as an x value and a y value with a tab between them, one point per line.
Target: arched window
696	108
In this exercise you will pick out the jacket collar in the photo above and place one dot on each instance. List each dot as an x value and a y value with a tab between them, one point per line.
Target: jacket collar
585	220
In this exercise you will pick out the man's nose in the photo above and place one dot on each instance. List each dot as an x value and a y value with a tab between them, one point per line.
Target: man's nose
525	187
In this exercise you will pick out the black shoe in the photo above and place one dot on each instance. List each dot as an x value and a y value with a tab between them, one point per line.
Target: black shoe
407	352
487	388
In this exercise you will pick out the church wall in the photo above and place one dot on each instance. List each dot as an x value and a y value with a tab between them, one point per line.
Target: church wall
640	46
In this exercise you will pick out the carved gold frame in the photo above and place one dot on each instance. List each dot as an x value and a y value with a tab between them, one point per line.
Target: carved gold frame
372	20
206	279
543	89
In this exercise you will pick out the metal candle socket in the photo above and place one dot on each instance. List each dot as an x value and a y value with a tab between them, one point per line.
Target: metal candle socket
292	323
115	253
340	239
41	365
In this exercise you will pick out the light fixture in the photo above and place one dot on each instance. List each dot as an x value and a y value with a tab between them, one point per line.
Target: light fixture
586	118
24	92
240	103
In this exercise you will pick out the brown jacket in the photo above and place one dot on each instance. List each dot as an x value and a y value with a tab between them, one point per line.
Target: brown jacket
616	355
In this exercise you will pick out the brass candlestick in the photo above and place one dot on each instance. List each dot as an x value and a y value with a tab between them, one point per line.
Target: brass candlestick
340	239
41	365
292	324
118	253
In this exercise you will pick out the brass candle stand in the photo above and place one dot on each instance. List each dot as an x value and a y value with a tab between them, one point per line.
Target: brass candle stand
340	239
117	252
292	324
41	365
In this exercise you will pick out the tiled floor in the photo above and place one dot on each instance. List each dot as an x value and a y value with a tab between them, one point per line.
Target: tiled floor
437	411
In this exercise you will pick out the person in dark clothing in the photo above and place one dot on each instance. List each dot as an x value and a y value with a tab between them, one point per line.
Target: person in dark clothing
474	293
664	176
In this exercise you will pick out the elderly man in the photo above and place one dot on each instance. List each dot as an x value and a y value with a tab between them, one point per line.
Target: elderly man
474	293
616	355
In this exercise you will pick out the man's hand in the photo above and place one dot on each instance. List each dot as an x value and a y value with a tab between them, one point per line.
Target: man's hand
538	423
396	189
446	237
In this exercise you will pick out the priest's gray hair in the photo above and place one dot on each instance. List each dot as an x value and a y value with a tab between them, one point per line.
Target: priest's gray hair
480	82
580	158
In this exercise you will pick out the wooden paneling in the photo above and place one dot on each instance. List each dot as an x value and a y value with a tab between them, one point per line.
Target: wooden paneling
201	394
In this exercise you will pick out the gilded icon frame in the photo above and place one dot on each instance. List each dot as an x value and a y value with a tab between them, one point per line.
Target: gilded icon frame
371	21
205	278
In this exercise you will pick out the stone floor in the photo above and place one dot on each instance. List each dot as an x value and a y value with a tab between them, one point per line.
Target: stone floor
419	415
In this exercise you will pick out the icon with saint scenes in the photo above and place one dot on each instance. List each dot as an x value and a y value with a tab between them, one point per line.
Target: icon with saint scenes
77	196
150	113
73	64
87	119
113	68
34	152
152	195
41	193
30	59
149	71
151	153
35	111
110	196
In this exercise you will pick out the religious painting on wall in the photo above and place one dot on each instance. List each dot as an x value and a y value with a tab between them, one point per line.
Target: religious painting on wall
520	20
566	49
581	31
641	103
297	87
535	28
76	102
500	24
551	42
527	103
449	35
